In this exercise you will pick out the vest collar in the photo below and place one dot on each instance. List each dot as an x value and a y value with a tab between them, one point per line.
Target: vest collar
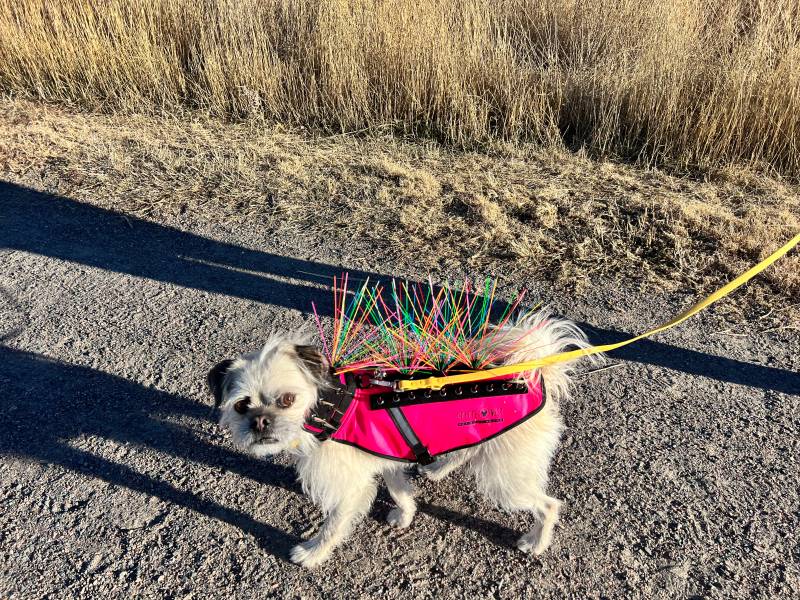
334	399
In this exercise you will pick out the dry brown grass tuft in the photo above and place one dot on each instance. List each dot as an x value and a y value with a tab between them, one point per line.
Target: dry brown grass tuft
553	216
686	82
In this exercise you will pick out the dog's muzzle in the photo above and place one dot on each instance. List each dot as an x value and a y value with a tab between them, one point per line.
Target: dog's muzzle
260	423
261	426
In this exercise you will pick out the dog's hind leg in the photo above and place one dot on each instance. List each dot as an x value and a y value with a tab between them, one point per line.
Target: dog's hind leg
537	540
512	472
346	512
402	492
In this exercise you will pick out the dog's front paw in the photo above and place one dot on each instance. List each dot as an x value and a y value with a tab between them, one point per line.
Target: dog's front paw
309	554
400	518
536	541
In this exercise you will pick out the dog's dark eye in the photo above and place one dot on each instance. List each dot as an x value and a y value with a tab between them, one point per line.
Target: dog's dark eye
285	400
241	405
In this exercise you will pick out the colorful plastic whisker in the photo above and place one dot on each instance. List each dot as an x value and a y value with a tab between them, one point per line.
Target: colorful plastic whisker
410	327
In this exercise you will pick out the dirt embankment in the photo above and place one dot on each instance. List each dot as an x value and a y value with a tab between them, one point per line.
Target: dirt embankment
548	216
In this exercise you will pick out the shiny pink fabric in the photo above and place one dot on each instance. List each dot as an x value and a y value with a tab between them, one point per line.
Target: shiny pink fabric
441	426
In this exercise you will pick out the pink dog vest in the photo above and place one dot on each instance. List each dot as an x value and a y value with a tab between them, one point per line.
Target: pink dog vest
419	425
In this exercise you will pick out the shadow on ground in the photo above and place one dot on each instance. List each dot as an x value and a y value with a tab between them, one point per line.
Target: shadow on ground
84	401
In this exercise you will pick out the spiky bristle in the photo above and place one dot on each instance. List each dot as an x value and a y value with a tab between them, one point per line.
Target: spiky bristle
410	327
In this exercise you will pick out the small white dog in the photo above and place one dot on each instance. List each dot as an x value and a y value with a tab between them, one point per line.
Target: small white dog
265	397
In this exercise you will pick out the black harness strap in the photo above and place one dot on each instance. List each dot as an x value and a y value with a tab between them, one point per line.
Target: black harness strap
334	400
450	392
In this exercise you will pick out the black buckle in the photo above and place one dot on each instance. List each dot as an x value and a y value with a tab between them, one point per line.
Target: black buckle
422	455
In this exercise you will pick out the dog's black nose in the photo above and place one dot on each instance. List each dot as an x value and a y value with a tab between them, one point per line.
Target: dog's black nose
260	423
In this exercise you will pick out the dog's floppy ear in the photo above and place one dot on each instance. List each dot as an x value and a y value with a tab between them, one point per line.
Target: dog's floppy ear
216	378
312	359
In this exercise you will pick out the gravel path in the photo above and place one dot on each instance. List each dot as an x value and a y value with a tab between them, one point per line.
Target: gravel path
679	467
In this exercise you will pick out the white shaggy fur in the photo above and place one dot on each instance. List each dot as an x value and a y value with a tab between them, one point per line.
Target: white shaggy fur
510	470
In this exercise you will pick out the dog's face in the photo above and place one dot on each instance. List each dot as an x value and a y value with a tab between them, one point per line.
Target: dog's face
265	396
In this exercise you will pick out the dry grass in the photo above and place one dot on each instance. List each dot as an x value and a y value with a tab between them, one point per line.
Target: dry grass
554	216
684	82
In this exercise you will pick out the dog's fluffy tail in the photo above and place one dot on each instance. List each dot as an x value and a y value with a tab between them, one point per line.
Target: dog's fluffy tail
544	334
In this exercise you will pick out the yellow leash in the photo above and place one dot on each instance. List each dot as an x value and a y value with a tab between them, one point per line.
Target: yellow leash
436	383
